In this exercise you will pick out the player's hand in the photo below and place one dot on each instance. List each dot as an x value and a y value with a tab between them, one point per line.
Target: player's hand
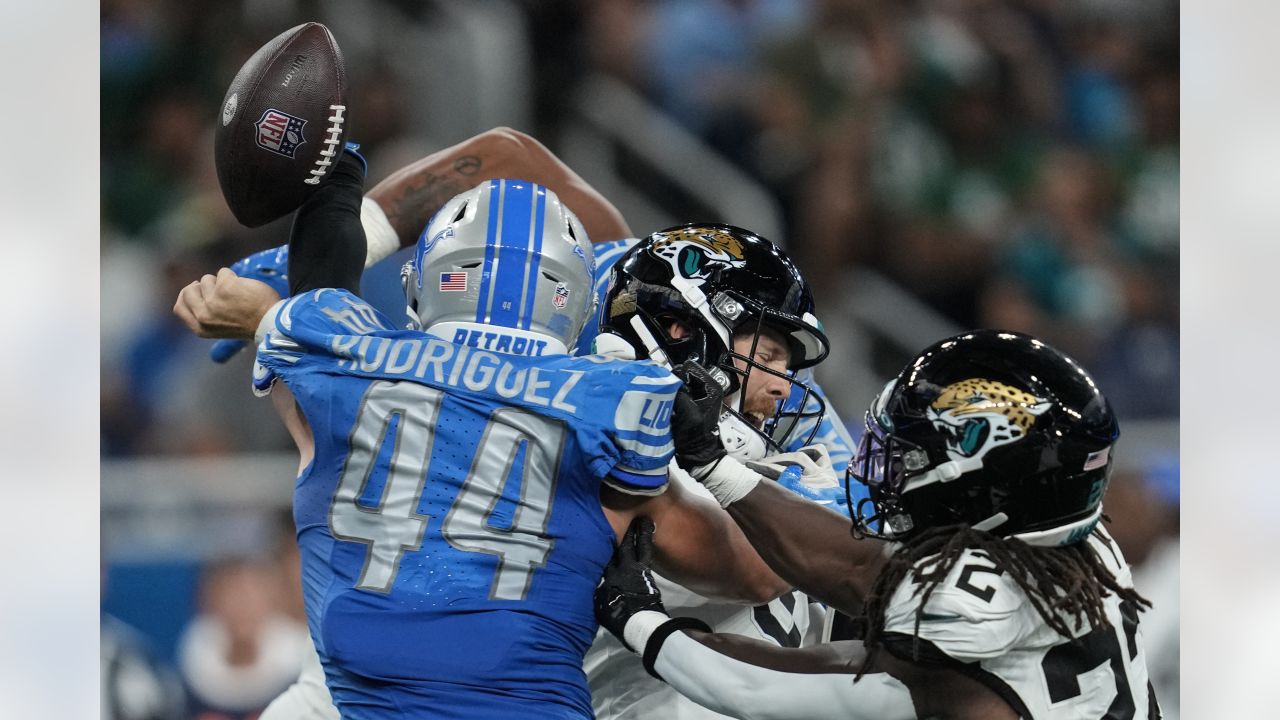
224	306
695	418
808	473
627	586
270	266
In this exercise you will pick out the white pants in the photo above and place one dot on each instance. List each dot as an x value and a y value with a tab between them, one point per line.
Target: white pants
306	699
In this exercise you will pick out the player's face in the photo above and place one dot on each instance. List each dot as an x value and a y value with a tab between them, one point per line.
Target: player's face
763	391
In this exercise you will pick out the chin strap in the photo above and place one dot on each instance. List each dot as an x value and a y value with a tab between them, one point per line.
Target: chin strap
613	346
650	342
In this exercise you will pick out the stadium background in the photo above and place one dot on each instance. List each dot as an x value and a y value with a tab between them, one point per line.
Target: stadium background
932	166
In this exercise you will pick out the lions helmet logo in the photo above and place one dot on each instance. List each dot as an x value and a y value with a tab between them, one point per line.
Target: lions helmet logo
694	253
977	415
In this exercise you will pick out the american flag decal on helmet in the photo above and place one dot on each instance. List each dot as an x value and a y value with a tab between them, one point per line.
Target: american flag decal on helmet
453	282
1097	459
280	132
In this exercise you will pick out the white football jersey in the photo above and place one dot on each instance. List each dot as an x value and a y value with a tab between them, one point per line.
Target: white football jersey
979	616
620	687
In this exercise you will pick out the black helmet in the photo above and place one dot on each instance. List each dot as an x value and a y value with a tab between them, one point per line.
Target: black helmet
995	430
719	281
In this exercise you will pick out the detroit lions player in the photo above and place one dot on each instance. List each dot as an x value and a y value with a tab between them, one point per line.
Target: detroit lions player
999	594
620	688
449	512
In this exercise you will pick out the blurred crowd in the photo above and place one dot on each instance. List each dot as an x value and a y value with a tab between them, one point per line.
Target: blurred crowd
242	643
1012	163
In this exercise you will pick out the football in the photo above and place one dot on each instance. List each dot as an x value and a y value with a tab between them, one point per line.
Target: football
282	124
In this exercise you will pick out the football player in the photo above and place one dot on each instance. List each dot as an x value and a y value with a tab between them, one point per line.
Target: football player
985	585
449	507
732	302
620	687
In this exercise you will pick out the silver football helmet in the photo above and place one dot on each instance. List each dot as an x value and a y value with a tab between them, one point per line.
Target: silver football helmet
506	254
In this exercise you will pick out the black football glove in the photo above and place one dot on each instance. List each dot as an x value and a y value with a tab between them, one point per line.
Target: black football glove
695	420
627	586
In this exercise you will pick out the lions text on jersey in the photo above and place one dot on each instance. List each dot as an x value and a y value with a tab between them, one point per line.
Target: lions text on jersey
450	523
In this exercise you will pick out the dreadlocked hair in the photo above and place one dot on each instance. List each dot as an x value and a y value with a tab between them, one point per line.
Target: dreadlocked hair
1064	584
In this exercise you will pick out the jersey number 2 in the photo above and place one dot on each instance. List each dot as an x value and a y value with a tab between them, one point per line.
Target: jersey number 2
1064	664
406	414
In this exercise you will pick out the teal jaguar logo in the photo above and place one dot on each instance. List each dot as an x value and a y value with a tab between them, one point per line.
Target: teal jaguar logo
978	415
694	253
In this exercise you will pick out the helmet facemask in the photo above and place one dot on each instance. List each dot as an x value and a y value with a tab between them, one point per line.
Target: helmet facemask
708	338
795	417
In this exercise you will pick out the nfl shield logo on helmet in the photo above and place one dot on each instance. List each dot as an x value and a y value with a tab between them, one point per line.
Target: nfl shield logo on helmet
561	298
280	132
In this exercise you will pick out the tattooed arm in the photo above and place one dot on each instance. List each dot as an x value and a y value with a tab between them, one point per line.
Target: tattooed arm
392	215
412	194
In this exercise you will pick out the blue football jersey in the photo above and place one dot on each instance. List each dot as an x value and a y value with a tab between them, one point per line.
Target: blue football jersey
606	255
450	523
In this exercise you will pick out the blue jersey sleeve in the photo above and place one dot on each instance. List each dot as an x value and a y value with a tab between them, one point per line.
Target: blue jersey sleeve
316	327
606	255
635	415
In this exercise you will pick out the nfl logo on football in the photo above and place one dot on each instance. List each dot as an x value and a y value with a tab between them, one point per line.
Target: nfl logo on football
279	132
561	298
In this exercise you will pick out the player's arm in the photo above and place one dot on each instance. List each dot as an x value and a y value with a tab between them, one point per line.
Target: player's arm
412	194
327	244
296	423
747	678
698	545
394	212
224	305
809	546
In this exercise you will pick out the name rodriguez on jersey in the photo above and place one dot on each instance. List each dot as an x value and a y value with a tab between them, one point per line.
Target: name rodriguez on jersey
475	370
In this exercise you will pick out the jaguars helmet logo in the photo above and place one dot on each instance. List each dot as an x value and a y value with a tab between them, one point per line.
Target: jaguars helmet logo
694	253
977	415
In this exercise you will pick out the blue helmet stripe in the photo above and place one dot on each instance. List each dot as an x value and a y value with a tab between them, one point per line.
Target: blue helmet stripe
486	270
535	259
512	251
